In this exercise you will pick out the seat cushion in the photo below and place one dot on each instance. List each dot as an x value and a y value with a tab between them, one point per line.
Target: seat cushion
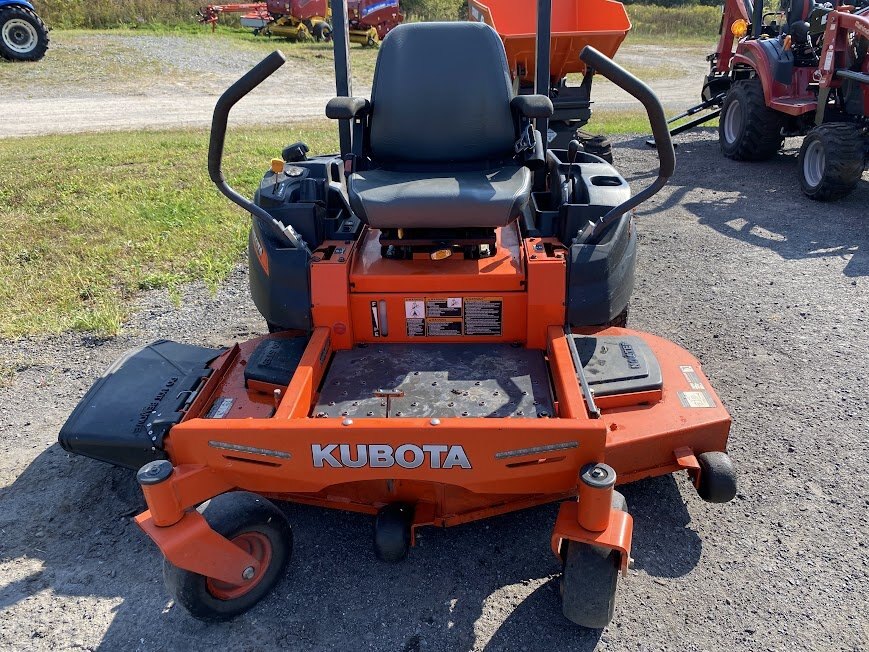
413	200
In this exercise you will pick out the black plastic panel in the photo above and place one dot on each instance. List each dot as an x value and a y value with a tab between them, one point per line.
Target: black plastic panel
124	417
275	360
618	365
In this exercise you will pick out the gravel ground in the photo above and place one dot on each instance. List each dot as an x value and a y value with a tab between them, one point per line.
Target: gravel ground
775	305
137	81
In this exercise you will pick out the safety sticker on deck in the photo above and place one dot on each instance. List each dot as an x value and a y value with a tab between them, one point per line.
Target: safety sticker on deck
220	408
696	400
453	316
691	376
483	315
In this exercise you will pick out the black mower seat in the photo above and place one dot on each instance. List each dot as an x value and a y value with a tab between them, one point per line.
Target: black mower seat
491	198
442	132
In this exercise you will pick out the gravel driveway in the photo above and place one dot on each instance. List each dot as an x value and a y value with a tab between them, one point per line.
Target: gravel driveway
107	81
767	288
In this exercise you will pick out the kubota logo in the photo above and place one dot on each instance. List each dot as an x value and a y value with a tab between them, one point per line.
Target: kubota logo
381	456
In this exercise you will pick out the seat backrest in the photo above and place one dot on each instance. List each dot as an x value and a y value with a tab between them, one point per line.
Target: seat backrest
441	94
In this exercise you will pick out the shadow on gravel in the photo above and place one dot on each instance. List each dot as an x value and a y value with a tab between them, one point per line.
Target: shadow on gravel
762	204
72	516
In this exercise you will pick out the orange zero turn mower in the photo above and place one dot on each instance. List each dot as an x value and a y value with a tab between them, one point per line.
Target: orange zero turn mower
447	300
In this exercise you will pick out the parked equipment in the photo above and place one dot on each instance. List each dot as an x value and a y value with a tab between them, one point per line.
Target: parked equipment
801	71
602	24
440	297
23	35
305	20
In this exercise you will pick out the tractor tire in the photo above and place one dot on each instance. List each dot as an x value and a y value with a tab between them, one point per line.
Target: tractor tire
322	32
748	130
599	146
590	579
23	35
255	525
831	161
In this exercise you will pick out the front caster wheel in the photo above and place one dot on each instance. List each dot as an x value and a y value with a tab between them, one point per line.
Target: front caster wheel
590	579
717	477
256	526
392	532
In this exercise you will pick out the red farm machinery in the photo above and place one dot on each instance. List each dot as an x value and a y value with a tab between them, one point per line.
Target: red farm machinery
800	71
603	24
306	20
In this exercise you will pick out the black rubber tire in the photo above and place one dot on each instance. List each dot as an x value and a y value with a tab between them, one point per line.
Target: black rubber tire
598	146
589	580
230	515
842	148
274	328
35	53
717	477
758	134
620	320
392	532
322	32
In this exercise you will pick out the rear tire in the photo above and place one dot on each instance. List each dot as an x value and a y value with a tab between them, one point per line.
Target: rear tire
254	524
23	35
590	580
748	129
831	161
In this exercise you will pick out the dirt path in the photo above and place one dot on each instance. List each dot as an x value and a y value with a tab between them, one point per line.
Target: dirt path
774	303
103	82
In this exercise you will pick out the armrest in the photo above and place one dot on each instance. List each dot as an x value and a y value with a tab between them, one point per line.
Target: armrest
532	106
346	108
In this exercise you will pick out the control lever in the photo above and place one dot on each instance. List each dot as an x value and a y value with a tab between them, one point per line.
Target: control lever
250	80
666	155
572	152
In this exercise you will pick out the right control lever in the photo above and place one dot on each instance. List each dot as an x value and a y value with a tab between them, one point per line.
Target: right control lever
666	154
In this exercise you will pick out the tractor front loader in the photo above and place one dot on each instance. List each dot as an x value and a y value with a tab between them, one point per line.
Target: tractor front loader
800	71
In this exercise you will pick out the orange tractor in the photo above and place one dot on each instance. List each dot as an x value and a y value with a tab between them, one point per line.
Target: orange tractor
441	297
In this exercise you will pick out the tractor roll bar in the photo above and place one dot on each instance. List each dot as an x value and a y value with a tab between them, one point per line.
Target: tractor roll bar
250	80
343	84
666	154
542	71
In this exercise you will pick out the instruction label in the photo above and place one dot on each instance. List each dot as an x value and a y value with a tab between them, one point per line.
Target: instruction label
483	315
696	400
692	377
453	316
220	408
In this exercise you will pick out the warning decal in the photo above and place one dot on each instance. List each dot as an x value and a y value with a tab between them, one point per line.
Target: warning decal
483	315
696	400
453	316
692	377
220	408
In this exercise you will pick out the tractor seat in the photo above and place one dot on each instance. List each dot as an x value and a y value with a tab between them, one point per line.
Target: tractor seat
441	133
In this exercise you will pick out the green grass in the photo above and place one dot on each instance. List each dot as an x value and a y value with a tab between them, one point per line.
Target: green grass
88	221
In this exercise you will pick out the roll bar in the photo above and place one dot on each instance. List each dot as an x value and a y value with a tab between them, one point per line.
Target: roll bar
343	82
666	154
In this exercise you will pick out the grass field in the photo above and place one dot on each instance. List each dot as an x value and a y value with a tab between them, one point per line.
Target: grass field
87	221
